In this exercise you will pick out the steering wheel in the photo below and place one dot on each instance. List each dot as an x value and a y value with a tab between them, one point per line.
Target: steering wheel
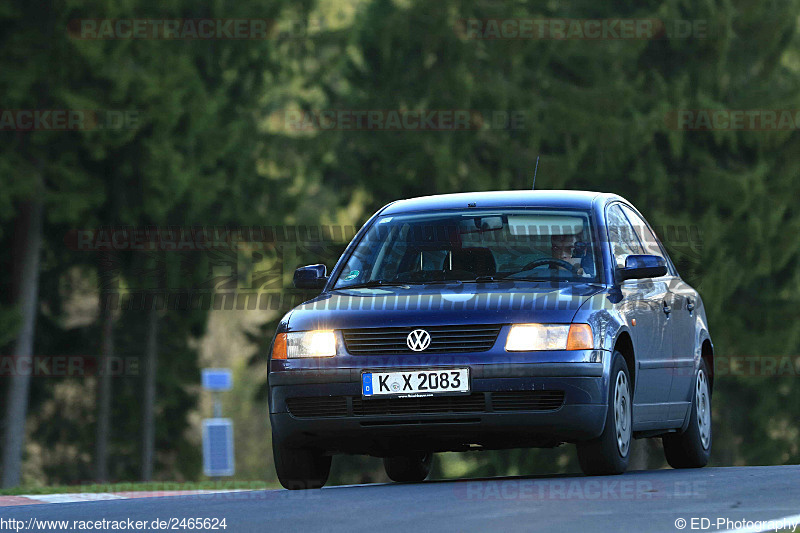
566	265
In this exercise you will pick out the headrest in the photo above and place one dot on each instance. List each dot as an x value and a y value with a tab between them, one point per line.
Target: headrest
479	261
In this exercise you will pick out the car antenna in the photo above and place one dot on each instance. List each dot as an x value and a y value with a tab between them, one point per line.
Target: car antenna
534	173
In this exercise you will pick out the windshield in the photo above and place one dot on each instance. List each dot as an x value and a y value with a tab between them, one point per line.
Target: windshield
474	246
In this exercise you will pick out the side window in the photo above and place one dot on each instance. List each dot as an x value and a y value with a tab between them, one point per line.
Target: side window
621	237
646	236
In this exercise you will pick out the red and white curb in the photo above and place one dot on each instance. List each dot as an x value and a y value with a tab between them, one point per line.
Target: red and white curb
33	499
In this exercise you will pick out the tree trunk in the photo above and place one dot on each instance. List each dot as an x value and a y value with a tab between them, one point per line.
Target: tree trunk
148	411
104	384
639	455
29	240
645	454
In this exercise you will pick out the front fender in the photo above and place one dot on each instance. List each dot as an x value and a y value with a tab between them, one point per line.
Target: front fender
607	322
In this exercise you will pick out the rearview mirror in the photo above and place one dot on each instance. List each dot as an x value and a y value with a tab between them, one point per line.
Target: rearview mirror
490	223
481	224
311	277
642	266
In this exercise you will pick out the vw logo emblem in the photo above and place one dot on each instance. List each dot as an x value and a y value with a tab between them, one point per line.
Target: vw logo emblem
418	340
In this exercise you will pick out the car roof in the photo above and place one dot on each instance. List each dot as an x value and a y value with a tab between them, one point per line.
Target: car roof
495	199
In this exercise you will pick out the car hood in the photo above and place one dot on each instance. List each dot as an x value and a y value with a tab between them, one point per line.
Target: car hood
485	303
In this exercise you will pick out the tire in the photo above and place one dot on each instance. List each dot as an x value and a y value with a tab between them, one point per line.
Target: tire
692	448
609	453
300	469
408	468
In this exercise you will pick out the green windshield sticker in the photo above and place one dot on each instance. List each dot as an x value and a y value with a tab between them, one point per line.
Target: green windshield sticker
352	275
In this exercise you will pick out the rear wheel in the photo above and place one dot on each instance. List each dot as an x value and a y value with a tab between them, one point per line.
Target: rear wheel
408	468
692	448
610	452
300	469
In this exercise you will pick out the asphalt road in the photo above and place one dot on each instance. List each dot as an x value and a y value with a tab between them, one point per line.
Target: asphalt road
636	501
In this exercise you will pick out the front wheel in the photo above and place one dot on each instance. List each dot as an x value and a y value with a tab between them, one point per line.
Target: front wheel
609	453
692	448
300	469
408	468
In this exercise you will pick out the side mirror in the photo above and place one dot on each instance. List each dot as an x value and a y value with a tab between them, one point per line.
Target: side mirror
642	266
310	277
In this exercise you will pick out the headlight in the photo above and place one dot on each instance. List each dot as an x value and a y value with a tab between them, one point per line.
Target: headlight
311	344
320	343
534	337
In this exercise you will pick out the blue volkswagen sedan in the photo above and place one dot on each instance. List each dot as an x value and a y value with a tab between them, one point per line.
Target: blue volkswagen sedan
492	320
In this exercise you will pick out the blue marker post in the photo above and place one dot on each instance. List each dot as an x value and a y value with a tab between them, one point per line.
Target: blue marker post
218	457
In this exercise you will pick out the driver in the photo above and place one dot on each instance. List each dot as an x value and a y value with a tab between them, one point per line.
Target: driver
563	247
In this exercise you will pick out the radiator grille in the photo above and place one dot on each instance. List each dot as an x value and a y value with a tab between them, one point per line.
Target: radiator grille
336	406
539	400
317	406
435	404
450	339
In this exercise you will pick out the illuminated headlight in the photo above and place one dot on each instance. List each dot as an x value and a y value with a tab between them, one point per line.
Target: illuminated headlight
311	344
535	337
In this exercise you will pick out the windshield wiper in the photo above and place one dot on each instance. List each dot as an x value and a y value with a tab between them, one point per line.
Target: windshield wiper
554	279
482	279
375	283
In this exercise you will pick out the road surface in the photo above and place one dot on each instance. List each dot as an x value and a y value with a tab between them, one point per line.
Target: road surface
636	501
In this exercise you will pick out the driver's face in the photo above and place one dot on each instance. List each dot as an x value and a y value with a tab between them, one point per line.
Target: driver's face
563	245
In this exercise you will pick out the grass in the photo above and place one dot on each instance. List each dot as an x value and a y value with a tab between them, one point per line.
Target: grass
150	486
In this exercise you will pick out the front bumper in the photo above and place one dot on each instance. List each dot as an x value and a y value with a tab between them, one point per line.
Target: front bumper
522	420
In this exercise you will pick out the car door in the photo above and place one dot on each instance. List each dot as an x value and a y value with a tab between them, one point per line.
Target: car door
643	305
684	321
680	302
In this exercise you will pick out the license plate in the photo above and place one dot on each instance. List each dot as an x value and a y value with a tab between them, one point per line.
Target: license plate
415	383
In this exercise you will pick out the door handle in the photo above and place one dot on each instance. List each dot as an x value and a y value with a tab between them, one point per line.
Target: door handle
667	308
